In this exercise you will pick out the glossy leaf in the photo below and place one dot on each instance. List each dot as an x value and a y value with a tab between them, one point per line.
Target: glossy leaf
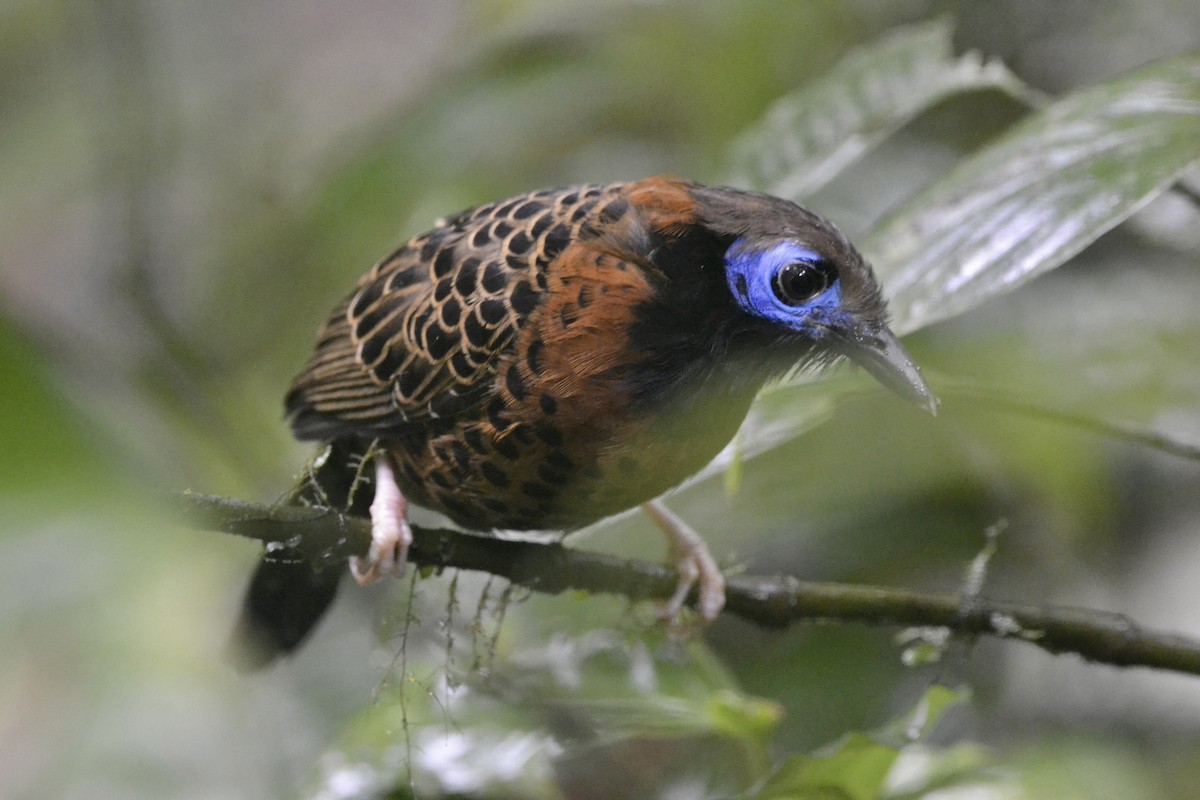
1040	194
808	137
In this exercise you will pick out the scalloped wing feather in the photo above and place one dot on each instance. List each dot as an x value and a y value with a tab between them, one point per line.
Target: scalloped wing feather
420	338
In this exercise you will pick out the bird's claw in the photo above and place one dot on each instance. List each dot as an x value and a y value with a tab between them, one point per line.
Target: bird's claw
391	534
388	555
695	564
697	568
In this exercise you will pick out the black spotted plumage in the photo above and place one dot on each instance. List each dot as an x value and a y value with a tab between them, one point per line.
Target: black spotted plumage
439	310
543	361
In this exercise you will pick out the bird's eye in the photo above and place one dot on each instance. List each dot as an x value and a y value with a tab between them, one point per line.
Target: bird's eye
801	281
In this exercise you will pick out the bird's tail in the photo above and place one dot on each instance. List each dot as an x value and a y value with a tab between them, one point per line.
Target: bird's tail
289	595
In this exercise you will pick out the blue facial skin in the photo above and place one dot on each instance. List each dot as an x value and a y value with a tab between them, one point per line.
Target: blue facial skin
751	273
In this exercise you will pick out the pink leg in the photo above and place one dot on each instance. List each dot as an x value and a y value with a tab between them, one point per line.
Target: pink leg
695	563
390	532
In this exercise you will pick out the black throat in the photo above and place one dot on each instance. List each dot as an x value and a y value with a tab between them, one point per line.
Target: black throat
693	335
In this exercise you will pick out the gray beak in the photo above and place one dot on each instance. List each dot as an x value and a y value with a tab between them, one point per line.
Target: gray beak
877	350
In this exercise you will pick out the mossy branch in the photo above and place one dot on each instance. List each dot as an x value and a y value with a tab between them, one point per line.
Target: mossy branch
324	535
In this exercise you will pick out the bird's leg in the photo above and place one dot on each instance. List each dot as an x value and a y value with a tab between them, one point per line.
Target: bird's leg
390	531
695	564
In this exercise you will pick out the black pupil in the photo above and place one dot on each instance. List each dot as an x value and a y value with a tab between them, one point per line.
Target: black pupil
801	281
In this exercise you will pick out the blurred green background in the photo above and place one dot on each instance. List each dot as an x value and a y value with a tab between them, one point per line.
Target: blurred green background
190	187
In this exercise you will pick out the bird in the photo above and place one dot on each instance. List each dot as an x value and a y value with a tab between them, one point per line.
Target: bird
547	360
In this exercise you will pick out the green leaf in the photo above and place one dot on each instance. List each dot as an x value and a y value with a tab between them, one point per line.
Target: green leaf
1040	194
963	770
854	770
922	717
809	136
1126	337
856	767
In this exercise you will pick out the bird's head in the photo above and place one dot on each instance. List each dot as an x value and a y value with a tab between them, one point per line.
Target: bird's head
830	298
796	273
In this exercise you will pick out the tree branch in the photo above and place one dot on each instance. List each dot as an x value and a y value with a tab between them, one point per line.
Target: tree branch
325	536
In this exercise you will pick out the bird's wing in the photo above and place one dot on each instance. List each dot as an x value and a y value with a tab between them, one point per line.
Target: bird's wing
421	336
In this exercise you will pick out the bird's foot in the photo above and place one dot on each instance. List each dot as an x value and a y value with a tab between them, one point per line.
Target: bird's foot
391	534
695	564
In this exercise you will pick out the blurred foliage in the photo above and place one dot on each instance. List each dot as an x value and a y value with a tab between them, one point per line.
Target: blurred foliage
191	187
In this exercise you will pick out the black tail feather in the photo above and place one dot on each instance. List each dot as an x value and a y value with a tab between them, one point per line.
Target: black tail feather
287	595
283	604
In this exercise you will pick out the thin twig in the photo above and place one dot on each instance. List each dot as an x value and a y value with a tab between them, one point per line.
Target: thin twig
325	535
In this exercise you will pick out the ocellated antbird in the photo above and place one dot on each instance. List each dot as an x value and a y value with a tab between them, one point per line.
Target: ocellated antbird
544	361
